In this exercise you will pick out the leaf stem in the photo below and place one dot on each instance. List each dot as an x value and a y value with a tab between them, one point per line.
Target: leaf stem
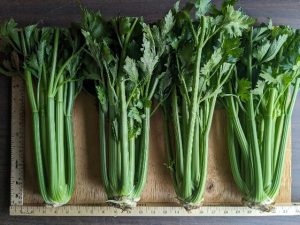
193	112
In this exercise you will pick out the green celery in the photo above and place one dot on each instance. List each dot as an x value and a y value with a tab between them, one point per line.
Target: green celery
204	52
52	86
262	96
126	52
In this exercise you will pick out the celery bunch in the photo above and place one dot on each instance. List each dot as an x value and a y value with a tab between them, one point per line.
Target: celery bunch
123	56
204	54
48	60
259	100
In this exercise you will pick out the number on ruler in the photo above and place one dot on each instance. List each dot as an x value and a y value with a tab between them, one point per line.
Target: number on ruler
285	211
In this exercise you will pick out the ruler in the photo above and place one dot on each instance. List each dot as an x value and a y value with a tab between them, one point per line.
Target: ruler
17	141
17	182
288	210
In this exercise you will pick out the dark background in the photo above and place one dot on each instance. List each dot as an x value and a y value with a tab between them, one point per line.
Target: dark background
61	13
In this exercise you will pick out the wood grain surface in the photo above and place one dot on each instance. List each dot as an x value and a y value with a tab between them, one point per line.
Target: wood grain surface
220	186
61	13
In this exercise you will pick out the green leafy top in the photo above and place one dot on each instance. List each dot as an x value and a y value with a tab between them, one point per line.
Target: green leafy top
202	7
52	56
275	66
31	49
126	49
217	33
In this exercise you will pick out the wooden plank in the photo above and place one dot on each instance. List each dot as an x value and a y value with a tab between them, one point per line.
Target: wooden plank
220	188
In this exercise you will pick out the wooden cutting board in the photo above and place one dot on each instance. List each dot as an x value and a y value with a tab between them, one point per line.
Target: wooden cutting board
220	187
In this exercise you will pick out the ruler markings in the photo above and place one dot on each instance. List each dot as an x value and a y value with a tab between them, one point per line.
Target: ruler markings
289	210
17	141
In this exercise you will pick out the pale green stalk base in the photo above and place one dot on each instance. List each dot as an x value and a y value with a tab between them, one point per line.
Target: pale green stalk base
266	205
188	206
124	203
135	177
